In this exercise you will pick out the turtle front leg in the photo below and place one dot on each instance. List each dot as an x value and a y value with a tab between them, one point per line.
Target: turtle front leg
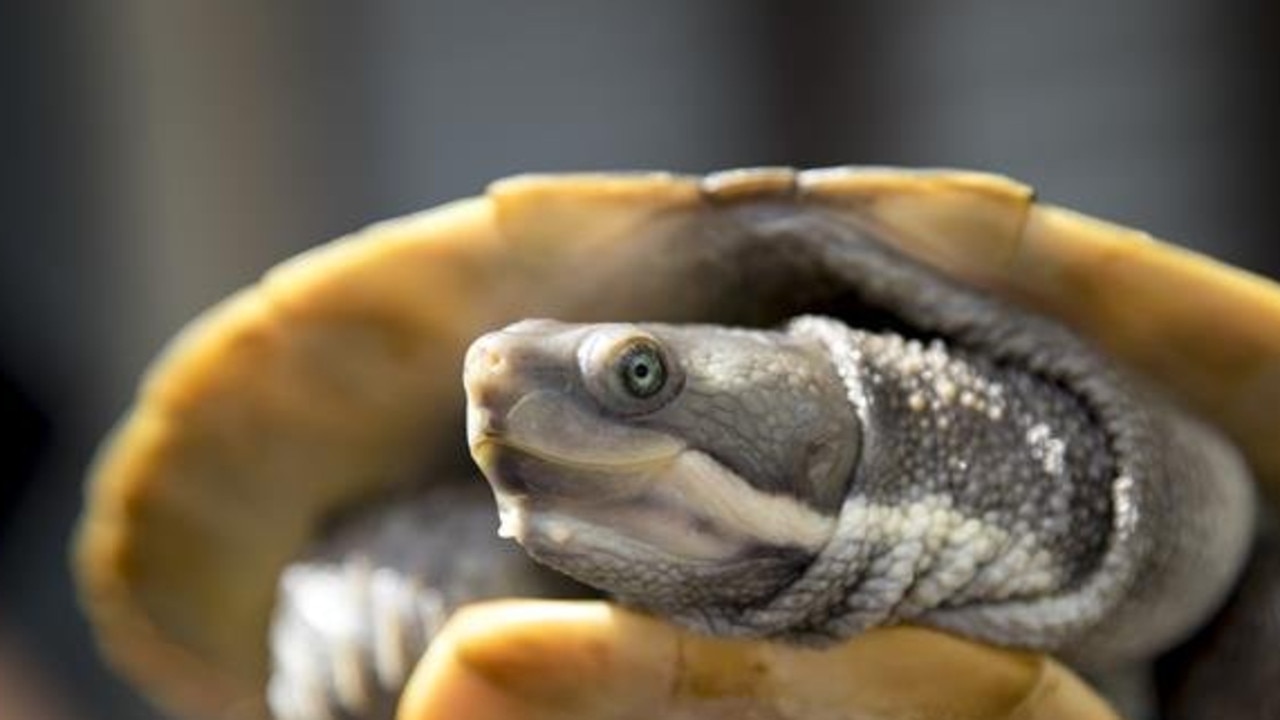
356	612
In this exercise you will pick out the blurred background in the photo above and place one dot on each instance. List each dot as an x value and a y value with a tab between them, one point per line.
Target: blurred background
157	155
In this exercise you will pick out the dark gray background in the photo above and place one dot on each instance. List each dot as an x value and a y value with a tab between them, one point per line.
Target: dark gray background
157	155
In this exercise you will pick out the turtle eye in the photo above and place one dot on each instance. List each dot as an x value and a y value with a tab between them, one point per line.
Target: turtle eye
629	371
642	370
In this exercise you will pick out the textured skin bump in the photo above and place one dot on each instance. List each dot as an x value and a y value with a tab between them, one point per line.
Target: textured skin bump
992	501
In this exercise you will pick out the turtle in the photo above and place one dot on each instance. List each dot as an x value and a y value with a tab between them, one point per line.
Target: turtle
286	521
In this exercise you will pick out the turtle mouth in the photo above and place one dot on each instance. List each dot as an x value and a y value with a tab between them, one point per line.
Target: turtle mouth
516	468
558	512
544	443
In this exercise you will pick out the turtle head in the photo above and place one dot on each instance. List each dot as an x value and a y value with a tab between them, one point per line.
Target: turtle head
674	466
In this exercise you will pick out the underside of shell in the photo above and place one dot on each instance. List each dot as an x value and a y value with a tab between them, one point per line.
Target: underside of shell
492	660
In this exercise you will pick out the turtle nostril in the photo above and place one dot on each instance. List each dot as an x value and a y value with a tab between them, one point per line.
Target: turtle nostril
493	361
485	359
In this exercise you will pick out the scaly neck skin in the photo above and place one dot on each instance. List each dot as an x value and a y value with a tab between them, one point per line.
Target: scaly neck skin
974	484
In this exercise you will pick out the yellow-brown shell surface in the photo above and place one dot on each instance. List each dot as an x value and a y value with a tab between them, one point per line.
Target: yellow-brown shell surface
336	378
493	660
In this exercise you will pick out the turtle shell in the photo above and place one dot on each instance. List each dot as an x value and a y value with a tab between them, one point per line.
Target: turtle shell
615	665
336	379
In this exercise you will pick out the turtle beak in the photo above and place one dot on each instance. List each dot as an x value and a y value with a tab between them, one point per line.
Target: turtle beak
493	385
490	396
502	369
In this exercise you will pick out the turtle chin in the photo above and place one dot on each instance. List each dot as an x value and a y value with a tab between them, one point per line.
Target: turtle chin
555	508
695	582
629	530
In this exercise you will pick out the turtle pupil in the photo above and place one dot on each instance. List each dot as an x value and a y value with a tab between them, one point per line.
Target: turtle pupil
643	373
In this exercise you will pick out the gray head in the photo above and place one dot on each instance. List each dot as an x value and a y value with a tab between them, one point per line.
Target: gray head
676	466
